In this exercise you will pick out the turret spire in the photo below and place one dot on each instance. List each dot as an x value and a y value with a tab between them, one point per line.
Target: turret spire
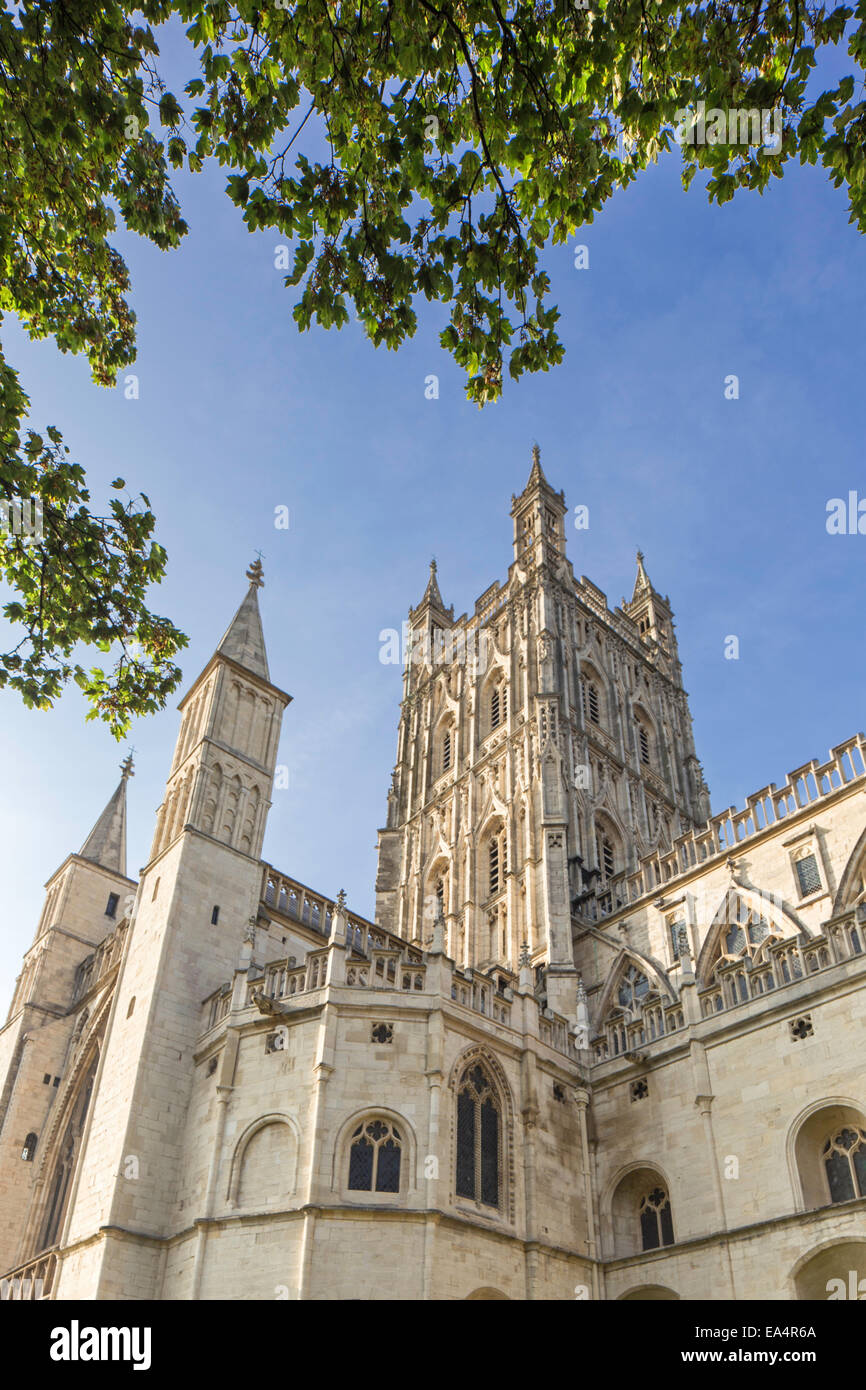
106	843
244	641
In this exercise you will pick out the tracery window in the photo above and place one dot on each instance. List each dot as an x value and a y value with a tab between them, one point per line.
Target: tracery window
656	1222
745	935
479	1130
633	989
374	1157
844	1158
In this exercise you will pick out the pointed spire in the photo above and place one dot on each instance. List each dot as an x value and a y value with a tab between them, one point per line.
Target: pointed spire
106	843
642	583
433	595
432	592
244	641
536	473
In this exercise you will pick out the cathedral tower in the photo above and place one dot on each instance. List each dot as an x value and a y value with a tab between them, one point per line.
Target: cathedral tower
545	743
85	900
195	901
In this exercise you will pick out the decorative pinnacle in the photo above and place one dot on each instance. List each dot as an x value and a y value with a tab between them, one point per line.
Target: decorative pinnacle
433	565
524	958
127	767
536	454
341	900
254	573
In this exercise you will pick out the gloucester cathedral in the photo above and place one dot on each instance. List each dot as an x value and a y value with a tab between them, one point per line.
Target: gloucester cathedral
598	1042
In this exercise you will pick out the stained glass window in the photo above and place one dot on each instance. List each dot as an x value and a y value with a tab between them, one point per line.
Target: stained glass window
374	1158
845	1161
656	1222
478	1139
634	985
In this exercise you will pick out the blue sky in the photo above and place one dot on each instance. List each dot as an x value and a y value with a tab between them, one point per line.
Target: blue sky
239	414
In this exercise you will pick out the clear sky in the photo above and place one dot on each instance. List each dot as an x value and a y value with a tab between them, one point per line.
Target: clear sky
239	414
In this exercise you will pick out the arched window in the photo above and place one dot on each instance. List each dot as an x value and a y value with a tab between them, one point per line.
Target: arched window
844	1156
497	862
374	1157
446	750
498	705
479	1136
743	933
29	1148
656	1222
633	989
589	694
605	851
643	744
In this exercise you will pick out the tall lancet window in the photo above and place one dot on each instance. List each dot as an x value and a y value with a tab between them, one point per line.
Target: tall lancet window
498	706
479	1137
497	862
446	750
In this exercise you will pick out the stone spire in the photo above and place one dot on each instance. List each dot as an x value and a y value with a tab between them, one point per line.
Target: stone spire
106	843
536	473
432	598
642	584
244	640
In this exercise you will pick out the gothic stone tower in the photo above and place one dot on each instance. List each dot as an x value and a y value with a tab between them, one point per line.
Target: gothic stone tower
545	743
195	901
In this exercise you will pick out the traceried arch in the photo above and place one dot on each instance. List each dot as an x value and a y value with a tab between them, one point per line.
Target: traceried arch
482	1135
852	888
640	1214
374	1158
745	925
827	1154
67	1155
636	1006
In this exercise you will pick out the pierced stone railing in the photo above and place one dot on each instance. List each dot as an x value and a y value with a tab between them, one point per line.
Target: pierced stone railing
30	1282
725	832
784	963
98	963
623	1034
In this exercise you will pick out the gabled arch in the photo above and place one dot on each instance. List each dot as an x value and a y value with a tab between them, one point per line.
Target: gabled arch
852	886
628	956
730	910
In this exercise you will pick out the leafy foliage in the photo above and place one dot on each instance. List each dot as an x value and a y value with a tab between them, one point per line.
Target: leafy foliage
76	84
463	137
466	135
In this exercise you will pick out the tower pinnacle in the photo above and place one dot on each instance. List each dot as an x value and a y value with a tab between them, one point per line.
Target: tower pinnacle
244	641
106	843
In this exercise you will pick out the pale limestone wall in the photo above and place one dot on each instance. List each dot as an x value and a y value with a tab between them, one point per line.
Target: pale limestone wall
176	958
